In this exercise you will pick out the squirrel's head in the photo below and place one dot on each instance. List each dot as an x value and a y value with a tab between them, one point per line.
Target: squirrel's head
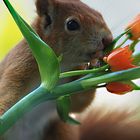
72	29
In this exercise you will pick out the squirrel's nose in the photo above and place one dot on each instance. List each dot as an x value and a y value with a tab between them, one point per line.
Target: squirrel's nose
107	40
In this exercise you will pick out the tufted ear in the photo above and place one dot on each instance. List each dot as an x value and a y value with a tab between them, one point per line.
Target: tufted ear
44	6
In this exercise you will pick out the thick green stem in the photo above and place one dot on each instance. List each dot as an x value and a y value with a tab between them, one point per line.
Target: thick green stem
22	107
129	74
33	99
41	94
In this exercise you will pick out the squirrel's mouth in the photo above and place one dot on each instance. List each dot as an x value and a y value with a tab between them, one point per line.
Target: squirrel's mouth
94	59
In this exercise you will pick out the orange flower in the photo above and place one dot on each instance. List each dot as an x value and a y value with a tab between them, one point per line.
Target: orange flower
120	59
118	88
134	27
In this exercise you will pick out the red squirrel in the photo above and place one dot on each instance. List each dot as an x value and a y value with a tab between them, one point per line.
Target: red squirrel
80	34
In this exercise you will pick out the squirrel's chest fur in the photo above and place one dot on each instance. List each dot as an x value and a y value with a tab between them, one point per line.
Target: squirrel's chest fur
32	125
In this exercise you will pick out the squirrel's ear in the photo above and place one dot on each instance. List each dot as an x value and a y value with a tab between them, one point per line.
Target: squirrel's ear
44	6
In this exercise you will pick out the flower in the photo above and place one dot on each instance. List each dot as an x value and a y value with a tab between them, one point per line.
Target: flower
118	88
134	27
120	59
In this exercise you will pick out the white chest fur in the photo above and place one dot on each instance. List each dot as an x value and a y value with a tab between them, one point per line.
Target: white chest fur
31	126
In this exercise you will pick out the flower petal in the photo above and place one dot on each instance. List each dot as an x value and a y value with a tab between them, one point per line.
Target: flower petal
118	87
120	59
134	27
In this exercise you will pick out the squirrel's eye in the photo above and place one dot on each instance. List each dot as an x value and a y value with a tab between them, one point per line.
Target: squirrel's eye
73	25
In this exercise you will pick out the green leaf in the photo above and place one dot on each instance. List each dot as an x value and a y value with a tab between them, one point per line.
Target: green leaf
63	108
47	60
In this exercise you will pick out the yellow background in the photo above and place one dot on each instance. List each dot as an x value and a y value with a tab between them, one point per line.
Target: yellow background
9	32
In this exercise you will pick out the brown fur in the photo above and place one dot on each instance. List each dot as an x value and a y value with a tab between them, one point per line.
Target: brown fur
113	125
16	76
59	130
98	125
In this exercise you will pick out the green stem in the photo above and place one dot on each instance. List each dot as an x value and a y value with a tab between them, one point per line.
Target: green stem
83	72
129	74
126	39
133	45
136	58
112	45
135	86
136	54
41	94
22	107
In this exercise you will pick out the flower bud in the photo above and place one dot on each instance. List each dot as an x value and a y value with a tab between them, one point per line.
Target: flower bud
118	88
120	59
134	27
